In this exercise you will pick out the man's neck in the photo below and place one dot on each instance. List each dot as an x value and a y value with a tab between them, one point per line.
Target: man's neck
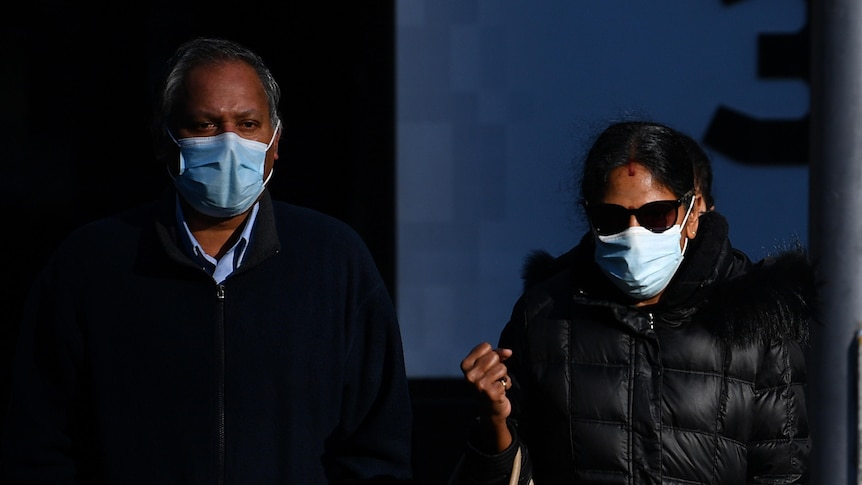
215	234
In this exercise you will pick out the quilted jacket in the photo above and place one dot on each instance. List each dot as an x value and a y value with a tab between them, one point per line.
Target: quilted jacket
705	387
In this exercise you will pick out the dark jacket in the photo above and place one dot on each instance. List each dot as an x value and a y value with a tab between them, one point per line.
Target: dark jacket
136	367
705	387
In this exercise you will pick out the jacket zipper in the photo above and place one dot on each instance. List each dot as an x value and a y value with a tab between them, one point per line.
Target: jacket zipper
220	358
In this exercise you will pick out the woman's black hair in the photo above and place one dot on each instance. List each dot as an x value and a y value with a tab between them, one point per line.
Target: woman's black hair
702	169
659	148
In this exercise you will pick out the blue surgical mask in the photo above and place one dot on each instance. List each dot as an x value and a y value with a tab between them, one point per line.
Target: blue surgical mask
222	175
639	262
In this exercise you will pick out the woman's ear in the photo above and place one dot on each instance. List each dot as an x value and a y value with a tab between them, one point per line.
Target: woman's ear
693	219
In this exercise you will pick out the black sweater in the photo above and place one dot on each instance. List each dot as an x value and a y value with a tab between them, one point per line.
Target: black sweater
136	367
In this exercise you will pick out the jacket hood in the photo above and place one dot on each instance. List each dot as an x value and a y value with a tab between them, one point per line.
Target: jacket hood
776	299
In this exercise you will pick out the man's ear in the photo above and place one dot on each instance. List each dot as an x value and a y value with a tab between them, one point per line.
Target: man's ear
275	141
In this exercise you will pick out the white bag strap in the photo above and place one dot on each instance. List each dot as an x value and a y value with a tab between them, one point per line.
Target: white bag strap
516	469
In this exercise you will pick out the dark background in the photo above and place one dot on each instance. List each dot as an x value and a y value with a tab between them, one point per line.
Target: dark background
77	90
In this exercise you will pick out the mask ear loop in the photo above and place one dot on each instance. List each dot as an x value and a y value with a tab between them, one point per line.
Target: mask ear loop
167	166
265	182
168	131
685	221
271	141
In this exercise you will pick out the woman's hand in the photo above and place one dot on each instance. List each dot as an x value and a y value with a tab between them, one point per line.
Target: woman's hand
484	368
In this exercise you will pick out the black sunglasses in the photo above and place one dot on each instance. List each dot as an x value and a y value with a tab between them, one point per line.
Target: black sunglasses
657	216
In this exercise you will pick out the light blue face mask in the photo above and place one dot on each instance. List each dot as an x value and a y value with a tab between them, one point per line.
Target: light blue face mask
639	262
222	175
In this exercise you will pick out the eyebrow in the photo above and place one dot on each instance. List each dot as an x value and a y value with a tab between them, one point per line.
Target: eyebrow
209	114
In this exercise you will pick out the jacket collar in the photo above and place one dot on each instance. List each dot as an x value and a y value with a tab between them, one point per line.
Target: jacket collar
264	236
709	259
742	301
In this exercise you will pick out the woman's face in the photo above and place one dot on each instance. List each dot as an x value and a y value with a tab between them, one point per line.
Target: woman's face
632	186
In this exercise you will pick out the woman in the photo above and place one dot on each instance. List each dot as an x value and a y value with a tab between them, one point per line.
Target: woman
652	352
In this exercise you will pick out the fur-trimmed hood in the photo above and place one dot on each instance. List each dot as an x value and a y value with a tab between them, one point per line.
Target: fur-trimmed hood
777	298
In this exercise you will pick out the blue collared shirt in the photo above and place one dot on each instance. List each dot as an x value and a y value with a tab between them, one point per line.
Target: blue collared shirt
232	259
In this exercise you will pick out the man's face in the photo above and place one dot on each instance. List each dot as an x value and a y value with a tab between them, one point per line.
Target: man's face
226	97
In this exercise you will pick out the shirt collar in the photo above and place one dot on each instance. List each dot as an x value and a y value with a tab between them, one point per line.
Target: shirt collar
219	269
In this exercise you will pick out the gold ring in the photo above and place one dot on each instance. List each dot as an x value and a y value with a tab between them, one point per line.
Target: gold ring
503	381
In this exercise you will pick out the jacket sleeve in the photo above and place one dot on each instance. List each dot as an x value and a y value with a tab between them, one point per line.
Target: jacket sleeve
780	446
477	467
375	435
44	431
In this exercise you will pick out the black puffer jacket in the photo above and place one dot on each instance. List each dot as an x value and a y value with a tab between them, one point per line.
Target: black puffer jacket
705	387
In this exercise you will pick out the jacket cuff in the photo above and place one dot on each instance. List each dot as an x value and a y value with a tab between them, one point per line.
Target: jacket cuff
480	467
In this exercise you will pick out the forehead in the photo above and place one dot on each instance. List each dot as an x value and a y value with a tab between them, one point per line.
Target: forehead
632	185
224	88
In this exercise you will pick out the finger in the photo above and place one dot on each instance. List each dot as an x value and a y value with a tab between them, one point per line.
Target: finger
495	382
504	353
480	353
473	357
496	388
504	381
488	363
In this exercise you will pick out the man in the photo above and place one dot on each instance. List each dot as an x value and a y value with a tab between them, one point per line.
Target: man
215	336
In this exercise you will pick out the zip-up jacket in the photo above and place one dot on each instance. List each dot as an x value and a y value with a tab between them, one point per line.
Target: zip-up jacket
134	366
